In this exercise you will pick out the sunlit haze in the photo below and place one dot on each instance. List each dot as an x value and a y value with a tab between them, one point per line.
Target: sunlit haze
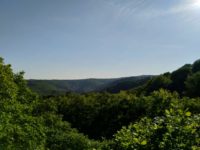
73	39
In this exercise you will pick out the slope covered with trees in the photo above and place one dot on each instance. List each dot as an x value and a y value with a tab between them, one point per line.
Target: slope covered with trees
185	81
24	124
162	114
126	83
60	87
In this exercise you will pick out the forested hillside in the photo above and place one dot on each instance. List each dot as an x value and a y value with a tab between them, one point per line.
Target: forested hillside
185	81
164	113
60	87
57	87
126	83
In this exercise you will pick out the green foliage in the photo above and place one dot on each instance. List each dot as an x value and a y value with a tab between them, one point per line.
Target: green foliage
60	87
193	85
179	77
25	123
18	128
126	84
175	81
157	119
158	101
177	129
8	88
61	136
196	66
183	80
162	81
24	94
100	115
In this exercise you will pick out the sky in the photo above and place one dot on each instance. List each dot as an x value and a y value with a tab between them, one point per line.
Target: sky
76	39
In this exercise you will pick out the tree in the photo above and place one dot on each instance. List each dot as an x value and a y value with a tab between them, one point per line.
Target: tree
160	82
8	88
196	66
179	77
19	129
193	85
177	129
27	124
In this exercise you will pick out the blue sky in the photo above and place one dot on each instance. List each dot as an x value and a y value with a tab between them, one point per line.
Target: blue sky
72	39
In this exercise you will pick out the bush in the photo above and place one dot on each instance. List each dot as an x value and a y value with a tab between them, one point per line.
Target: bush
177	129
193	85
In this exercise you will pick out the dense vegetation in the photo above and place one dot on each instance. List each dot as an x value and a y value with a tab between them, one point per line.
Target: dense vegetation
164	113
60	87
185	81
126	83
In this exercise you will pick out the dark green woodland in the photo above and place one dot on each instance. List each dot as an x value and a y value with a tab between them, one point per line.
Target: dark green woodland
136	113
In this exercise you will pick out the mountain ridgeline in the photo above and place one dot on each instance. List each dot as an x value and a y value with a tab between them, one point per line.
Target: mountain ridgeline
178	80
136	113
60	87
57	87
185	80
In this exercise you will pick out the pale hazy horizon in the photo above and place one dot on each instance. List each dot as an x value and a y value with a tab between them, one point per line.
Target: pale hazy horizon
76	39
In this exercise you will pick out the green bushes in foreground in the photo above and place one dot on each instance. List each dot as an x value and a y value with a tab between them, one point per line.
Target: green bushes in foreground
24	125
160	120
177	129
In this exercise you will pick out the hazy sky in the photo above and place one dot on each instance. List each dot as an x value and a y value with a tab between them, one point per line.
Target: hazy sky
70	39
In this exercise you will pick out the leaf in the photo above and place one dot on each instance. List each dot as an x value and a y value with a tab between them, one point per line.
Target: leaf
135	140
167	112
144	142
188	114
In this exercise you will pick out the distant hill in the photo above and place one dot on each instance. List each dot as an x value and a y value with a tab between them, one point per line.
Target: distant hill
126	83
185	81
58	87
